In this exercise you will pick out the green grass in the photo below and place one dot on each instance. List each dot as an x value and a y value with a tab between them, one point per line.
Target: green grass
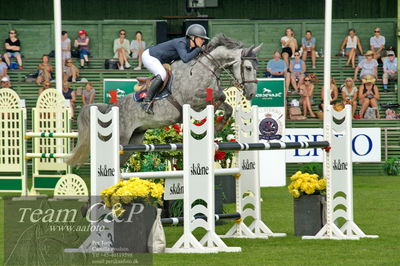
376	211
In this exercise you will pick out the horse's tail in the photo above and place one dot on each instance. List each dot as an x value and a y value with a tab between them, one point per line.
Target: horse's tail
80	153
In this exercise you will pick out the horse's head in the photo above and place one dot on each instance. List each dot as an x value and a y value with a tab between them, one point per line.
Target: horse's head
245	71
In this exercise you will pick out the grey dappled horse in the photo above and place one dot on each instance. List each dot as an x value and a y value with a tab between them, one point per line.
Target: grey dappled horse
190	81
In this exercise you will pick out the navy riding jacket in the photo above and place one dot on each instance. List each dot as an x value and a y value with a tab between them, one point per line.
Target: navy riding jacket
172	50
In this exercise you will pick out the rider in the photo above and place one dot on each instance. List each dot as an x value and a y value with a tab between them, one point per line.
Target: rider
184	48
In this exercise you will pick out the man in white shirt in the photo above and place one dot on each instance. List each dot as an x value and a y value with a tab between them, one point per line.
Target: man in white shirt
389	69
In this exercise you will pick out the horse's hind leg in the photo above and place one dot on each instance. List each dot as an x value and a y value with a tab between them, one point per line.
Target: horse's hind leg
135	138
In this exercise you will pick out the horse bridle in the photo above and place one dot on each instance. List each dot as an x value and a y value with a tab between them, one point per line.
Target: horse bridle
235	82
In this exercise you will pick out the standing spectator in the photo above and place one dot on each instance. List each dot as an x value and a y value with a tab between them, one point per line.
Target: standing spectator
46	85
121	50
5	83
69	94
277	68
44	70
349	94
334	94
13	48
88	94
71	72
308	45
368	94
351	42
289	45
368	66
389	69
3	68
377	43
306	100
297	70
65	46
137	48
83	44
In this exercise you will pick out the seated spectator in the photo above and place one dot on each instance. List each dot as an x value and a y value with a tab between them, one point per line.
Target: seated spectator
308	46
5	83
368	94
334	94
46	85
289	45
83	45
368	66
137	48
121	50
69	94
351	42
389	69
297	70
71	72
44	70
306	100
349	94
377	43
277	68
3	68
13	48
65	46
88	94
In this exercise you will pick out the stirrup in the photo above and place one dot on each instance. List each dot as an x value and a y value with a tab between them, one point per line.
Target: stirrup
146	106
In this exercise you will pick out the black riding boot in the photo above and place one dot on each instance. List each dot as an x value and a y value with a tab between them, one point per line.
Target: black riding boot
151	92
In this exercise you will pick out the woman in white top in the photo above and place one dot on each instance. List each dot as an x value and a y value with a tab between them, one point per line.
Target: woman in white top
137	48
65	46
349	94
121	50
351	42
289	45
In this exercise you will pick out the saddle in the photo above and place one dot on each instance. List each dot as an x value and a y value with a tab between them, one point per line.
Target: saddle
144	82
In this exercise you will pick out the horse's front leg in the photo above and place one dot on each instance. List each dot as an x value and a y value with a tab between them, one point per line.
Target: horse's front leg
228	110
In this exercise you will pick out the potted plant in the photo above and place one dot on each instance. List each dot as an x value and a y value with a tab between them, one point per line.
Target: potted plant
308	191
133	204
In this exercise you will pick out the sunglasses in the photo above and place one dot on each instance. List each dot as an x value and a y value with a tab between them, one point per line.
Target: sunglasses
122	33
306	80
368	55
377	31
296	55
11	32
390	54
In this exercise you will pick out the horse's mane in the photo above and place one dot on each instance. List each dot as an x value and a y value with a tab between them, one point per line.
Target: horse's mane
223	40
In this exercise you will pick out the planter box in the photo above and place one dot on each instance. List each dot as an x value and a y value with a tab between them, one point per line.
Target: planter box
228	185
131	234
308	214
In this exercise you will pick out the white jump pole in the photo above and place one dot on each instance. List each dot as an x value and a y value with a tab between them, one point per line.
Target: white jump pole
57	43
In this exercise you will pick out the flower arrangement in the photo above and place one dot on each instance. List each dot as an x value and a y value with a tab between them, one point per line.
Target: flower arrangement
132	190
306	183
227	134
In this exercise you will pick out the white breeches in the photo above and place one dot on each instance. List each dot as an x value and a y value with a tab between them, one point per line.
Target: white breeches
153	65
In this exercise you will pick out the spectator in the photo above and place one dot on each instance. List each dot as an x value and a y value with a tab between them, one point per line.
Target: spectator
69	94
71	72
46	85
349	94
137	48
297	70
44	70
377	43
368	66
88	94
13	48
3	68
334	94
289	45
277	68
5	83
121	50
368	94
306	100
83	45
65	46
308	46
351	42
389	69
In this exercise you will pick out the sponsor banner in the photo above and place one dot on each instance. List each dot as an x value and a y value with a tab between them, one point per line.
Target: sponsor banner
270	93
173	188
115	89
366	144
